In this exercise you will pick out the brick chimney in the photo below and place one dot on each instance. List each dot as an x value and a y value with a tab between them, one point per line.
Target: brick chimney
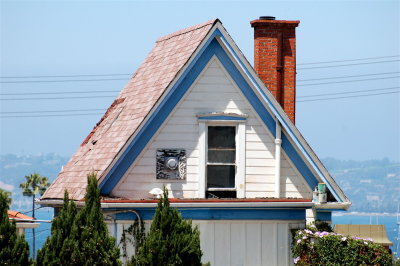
275	59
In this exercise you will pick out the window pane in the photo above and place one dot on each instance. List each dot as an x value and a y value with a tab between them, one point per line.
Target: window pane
221	137
221	156
220	176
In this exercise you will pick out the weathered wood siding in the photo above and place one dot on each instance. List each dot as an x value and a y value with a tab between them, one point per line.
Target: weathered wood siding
213	91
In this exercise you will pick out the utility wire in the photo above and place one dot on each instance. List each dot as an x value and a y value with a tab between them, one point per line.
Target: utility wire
125	74
348	92
56	98
53	111
346	81
59	92
20	116
349	60
63	76
346	97
64	80
354	76
311	100
356	64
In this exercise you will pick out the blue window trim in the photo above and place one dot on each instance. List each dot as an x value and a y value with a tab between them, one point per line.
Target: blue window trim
221	214
222	117
212	47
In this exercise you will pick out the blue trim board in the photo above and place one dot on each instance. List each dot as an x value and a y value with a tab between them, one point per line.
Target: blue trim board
212	47
324	216
222	117
221	214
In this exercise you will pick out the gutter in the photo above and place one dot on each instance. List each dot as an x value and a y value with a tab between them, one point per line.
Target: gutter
333	206
204	204
213	205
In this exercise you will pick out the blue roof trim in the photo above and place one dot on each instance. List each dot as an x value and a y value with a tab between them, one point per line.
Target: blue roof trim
157	117
211	47
279	117
222	117
222	214
266	117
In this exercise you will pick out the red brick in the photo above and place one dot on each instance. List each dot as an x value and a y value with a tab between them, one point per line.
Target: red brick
265	59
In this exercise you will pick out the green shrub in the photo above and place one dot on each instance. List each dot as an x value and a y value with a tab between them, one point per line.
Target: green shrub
171	240
327	248
14	250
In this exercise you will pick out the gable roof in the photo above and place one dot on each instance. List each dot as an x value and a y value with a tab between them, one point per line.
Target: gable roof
136	115
128	111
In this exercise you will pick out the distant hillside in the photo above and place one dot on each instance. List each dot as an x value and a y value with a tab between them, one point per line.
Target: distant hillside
372	186
14	168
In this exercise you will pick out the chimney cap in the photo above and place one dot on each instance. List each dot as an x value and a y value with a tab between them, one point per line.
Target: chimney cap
267	18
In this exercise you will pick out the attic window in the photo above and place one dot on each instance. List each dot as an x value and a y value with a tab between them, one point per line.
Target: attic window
221	158
222	155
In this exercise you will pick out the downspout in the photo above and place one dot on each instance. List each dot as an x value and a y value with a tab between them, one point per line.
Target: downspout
278	142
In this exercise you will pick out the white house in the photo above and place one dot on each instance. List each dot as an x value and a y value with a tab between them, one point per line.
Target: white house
197	118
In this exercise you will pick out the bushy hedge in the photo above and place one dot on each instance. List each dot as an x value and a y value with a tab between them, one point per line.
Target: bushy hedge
327	248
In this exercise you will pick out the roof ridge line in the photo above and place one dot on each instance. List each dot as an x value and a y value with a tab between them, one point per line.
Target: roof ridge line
186	30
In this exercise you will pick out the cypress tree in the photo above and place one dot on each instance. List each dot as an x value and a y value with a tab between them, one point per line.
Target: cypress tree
171	240
57	249
14	250
80	237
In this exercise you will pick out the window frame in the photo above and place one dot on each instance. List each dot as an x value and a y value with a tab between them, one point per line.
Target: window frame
223	119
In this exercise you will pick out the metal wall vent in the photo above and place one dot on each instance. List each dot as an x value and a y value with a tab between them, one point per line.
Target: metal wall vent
171	164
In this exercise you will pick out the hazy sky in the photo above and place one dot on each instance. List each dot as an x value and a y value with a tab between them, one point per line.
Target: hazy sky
54	38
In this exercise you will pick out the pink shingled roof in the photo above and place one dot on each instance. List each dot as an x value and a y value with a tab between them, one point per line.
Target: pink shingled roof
124	116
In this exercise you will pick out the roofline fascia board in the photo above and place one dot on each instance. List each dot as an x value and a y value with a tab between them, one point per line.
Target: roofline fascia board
277	110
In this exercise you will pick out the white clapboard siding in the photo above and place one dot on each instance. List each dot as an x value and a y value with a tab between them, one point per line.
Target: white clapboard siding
253	243
213	91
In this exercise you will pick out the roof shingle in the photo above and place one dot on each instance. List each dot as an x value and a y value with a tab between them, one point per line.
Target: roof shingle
125	115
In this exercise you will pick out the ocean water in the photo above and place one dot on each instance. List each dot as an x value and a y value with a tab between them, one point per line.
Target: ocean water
43	231
390	222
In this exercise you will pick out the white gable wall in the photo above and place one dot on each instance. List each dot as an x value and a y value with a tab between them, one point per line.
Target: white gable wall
213	91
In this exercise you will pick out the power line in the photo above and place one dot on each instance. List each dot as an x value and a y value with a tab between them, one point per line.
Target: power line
348	92
20	116
59	92
349	60
346	97
64	80
56	98
88	114
63	76
345	81
367	63
53	111
354	76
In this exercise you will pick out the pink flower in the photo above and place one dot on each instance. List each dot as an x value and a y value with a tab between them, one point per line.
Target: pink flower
296	260
365	242
298	241
304	237
344	238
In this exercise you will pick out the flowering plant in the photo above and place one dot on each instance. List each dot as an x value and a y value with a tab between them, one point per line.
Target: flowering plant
311	247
